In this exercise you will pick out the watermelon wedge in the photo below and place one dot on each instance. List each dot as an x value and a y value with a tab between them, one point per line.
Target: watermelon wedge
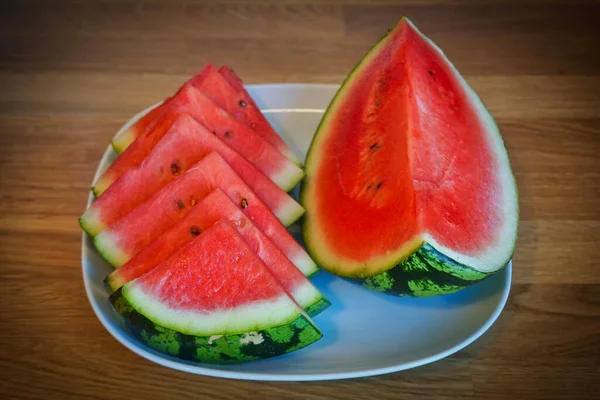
214	207
145	223
251	114
186	143
231	131
409	188
126	137
214	301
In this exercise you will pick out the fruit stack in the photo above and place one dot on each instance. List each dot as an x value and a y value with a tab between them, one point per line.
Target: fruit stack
193	214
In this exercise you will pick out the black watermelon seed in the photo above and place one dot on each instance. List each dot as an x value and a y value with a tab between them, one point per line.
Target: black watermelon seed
180	204
244	203
174	168
242	103
194	230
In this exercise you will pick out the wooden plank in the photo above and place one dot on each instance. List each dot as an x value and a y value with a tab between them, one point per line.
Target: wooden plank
516	97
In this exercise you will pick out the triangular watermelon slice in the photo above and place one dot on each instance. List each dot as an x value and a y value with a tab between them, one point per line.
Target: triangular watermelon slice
214	207
254	117
409	187
214	301
186	143
126	137
231	131
136	230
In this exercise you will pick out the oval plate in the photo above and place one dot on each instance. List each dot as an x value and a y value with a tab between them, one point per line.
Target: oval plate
365	333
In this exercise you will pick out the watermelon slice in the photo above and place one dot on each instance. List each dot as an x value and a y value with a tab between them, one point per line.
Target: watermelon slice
409	187
214	301
231	131
252	115
214	207
126	137
136	230
183	145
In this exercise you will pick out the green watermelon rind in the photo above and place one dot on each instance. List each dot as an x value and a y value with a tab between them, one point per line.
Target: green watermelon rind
217	349
425	273
394	279
109	251
121	142
89	224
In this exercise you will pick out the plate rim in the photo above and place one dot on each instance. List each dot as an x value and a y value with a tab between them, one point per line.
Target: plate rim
200	369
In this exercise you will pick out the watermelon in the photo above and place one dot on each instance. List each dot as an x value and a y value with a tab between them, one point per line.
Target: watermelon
408	186
214	301
127	136
145	223
252	115
183	145
231	131
214	207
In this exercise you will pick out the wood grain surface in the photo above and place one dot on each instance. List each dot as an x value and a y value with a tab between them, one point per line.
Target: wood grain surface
71	72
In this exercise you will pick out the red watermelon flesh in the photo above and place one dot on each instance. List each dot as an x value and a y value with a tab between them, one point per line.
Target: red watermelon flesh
254	117
186	143
207	288
214	207
230	95
125	138
415	158
136	230
237	136
216	285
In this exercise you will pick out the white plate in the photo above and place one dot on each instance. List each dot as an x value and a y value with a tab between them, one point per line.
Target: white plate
365	333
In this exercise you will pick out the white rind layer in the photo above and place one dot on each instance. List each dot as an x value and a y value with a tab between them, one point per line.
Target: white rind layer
248	317
290	212
306	294
106	244
289	176
304	263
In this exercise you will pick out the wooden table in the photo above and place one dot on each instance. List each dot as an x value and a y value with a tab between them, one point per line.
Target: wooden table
72	72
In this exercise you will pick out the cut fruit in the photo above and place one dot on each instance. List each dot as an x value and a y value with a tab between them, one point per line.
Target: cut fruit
136	230
214	207
214	301
254	117
229	93
407	171
181	147
127	136
234	133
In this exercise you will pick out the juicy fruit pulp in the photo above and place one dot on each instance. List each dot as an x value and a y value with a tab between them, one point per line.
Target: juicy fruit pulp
189	100
225	89
136	230
200	218
214	301
407	155
184	144
255	118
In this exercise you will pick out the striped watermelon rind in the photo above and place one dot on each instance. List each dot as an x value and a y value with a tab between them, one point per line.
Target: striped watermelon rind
426	273
230	348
